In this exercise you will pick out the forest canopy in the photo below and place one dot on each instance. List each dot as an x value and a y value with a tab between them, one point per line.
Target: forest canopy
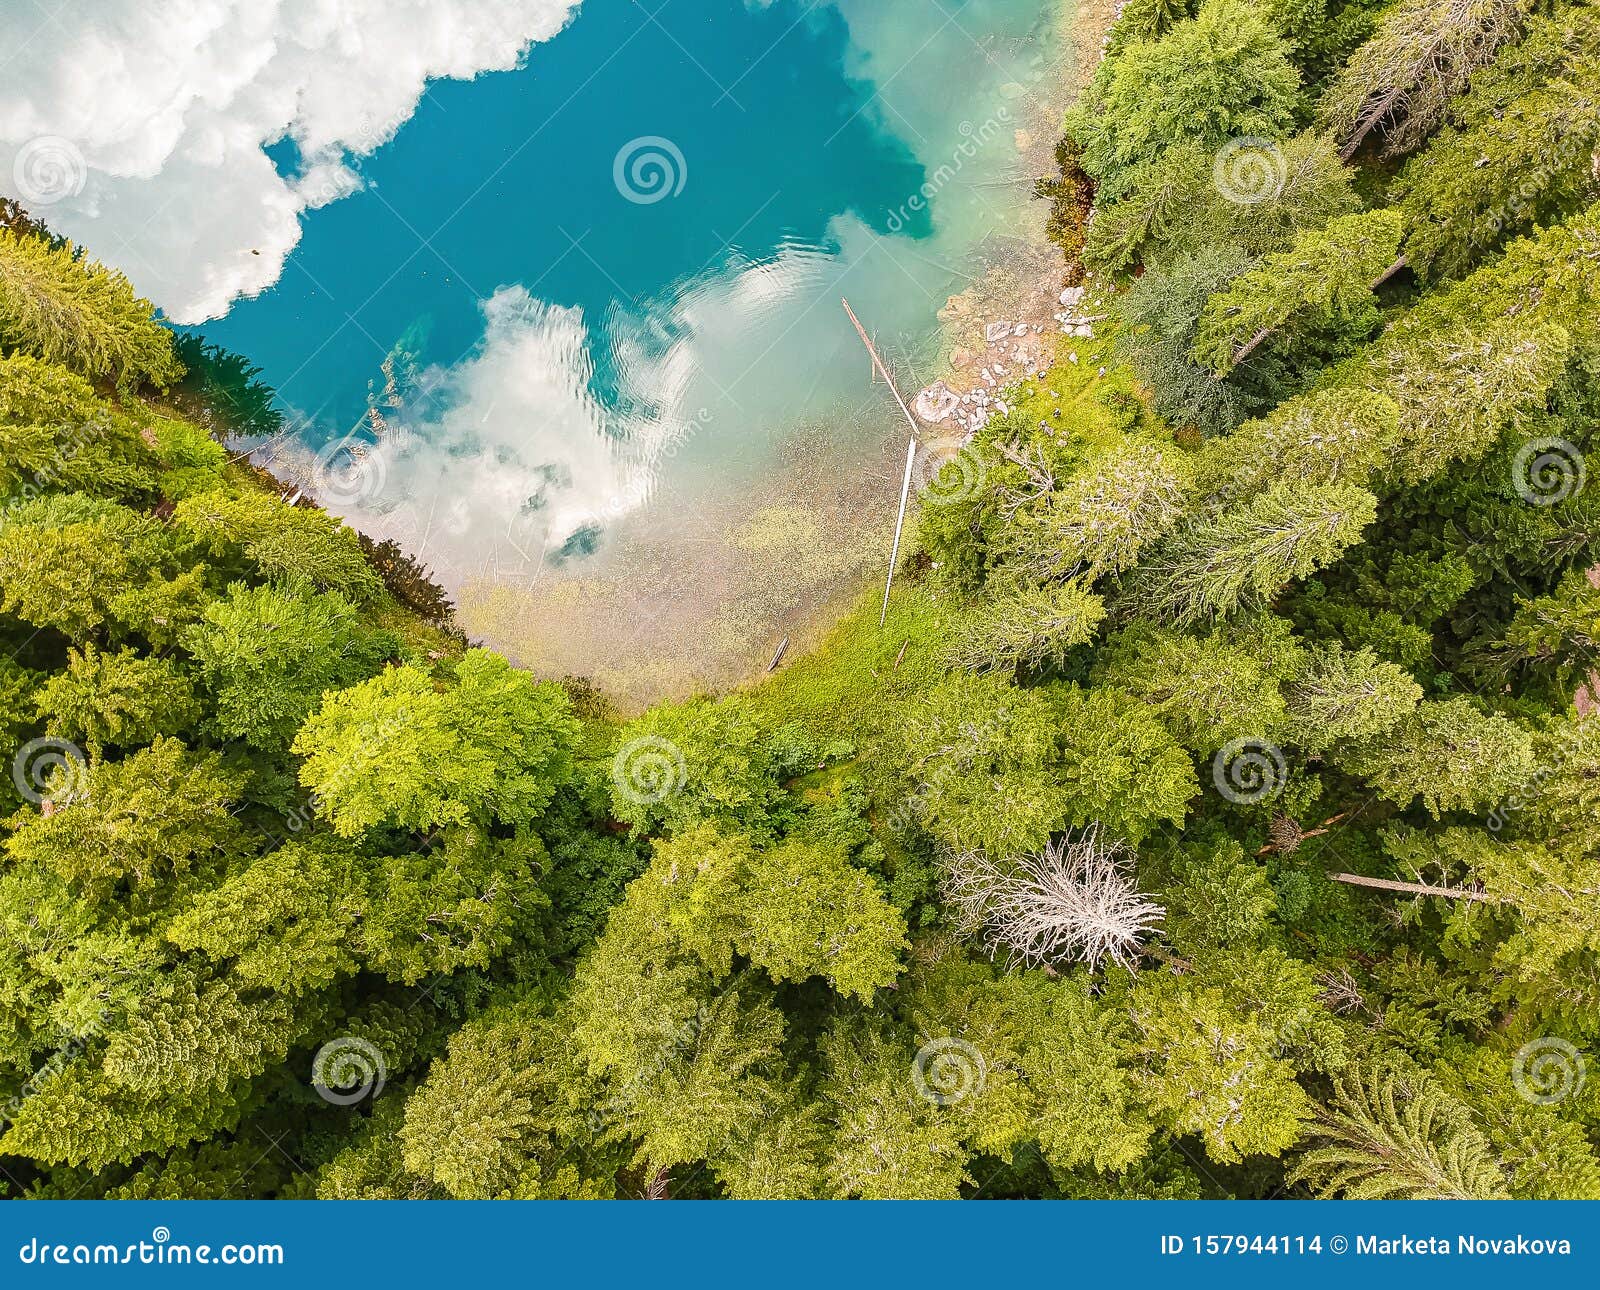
1213	816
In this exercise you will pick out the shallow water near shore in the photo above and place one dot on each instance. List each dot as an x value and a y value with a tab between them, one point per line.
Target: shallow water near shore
584	350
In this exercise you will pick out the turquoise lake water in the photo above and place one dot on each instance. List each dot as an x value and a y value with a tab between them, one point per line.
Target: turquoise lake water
509	180
578	293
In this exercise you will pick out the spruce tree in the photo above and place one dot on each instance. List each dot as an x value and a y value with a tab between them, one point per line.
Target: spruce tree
57	305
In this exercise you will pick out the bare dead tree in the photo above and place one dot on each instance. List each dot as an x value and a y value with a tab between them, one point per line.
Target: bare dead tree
1415	888
1287	835
1040	480
1340	992
1402	80
1075	901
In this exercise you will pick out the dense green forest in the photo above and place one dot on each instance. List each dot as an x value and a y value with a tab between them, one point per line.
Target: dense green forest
1211	817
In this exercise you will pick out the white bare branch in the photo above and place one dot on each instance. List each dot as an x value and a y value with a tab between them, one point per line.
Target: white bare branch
1075	901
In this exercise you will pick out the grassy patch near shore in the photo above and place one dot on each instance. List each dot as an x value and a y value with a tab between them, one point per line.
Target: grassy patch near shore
857	676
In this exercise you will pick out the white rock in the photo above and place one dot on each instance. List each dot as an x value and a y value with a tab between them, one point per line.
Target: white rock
936	403
997	331
1071	296
1021	329
1072	358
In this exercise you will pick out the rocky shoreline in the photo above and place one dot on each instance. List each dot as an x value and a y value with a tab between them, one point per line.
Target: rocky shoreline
1015	347
1008	327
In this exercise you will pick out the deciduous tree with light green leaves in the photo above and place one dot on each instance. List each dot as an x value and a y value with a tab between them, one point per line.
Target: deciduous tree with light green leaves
159	817
405	751
1213	1071
1448	752
266	656
65	558
118	699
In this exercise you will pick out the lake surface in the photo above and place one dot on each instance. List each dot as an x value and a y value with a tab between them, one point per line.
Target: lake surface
578	339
